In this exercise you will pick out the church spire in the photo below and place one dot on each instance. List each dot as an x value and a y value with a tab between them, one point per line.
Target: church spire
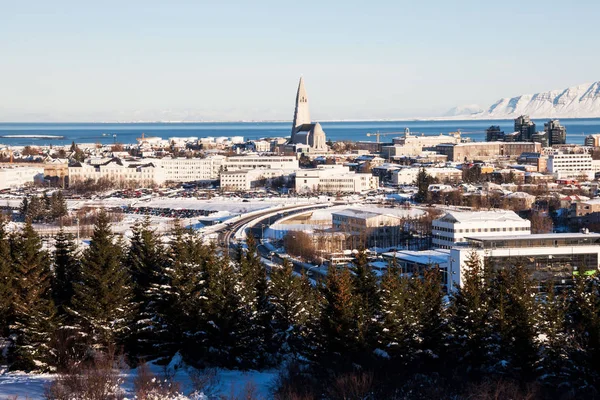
301	112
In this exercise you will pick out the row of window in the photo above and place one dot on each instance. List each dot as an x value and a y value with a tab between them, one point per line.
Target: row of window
474	230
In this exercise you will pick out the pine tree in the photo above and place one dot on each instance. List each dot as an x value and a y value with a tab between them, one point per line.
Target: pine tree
144	260
66	269
102	301
58	206
469	321
367	300
34	312
291	308
7	277
431	314
398	319
254	306
339	333
24	208
556	365
513	301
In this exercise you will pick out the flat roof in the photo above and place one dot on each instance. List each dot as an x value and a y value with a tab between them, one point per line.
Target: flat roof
537	236
439	256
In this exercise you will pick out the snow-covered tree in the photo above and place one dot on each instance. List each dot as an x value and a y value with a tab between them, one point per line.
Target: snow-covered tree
7	274
102	304
34	321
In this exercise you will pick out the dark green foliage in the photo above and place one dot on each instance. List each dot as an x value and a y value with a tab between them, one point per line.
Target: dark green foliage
422	183
66	269
34	321
44	208
102	303
145	258
7	276
367	301
470	318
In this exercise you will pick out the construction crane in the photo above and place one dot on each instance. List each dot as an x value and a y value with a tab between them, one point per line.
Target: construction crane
378	134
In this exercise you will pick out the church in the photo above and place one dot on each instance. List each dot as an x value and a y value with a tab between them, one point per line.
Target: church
306	136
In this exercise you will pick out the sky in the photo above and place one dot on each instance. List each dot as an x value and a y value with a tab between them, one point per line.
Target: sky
240	60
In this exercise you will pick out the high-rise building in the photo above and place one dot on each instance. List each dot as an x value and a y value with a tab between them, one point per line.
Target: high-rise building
494	134
592	140
526	128
556	133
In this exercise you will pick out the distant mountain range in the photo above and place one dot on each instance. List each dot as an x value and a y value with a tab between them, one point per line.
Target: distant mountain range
582	101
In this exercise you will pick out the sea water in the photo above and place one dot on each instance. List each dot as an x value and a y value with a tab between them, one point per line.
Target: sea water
577	130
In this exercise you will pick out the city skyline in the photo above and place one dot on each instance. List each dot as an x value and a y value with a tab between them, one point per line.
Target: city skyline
150	61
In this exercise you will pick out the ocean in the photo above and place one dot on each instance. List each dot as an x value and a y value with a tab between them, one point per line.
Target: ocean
107	133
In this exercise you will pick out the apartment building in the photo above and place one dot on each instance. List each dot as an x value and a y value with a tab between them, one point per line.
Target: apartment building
556	257
260	162
118	171
190	169
367	228
452	228
334	179
246	179
571	165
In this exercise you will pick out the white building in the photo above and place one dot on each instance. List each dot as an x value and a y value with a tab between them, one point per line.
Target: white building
408	176
260	162
570	165
455	226
246	179
334	179
191	169
118	171
556	257
413	145
16	176
261	146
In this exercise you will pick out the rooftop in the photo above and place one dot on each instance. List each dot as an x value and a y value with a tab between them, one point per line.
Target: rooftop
480	216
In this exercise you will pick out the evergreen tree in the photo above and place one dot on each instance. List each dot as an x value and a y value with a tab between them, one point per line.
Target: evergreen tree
556	365
432	324
144	261
291	309
367	301
66	269
422	183
583	320
24	208
34	313
339	332
102	301
513	301
470	315
398	321
58	206
255	307
7	276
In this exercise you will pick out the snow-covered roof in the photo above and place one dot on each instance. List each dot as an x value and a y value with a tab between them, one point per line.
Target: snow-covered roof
439	256
481	216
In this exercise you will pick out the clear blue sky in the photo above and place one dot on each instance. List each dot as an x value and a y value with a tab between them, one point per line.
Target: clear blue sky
232	60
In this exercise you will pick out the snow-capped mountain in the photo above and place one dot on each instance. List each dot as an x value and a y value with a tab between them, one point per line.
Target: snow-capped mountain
582	101
464	110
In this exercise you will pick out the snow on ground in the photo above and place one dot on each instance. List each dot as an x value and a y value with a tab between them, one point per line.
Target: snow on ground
229	382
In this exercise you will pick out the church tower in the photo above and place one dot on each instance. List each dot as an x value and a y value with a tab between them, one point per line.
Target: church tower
301	112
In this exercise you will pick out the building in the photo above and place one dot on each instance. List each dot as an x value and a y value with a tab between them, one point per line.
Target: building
413	145
334	179
455	226
118	171
190	169
246	179
525	127
555	132
581	208
366	228
485	151
303	130
592	140
415	262
556	257
12	177
571	165
494	134
260	162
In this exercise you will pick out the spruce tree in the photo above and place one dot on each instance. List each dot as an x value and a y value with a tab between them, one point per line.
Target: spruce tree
102	301
513	322
144	261
398	319
7	276
254	306
34	321
339	341
367	302
66	269
470	315
291	309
